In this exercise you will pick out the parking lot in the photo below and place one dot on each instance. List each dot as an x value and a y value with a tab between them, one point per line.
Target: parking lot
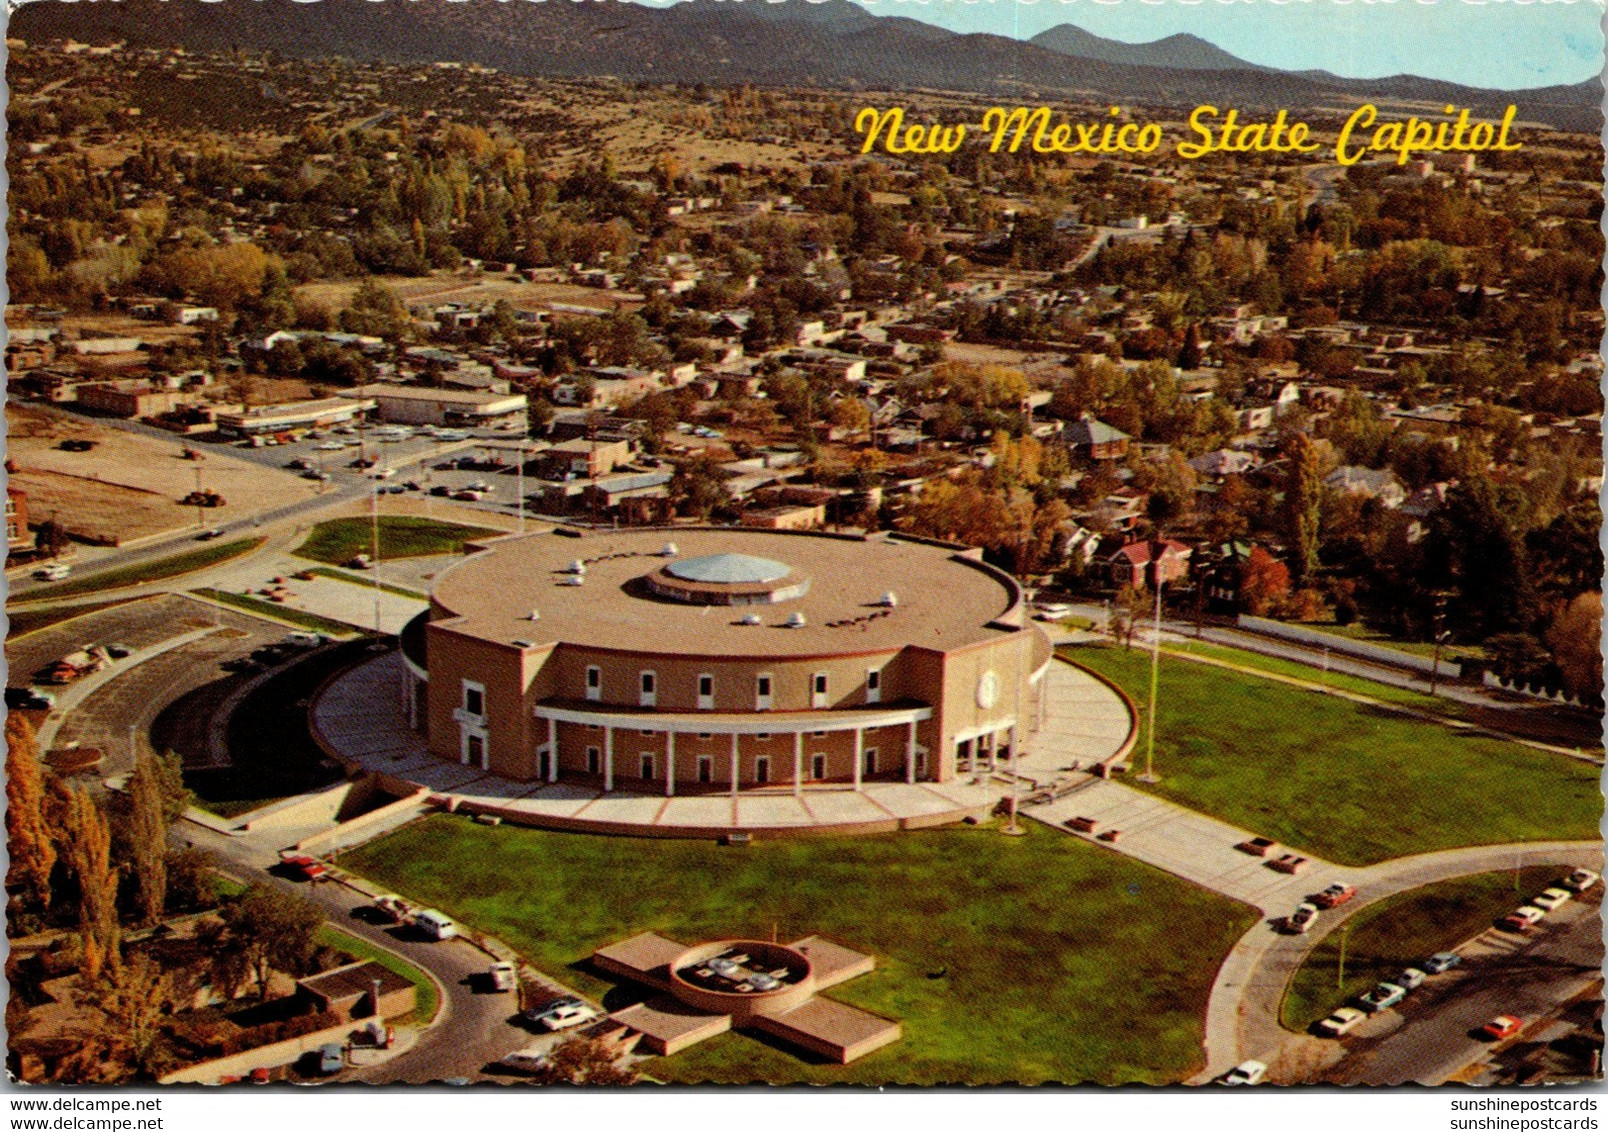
137	624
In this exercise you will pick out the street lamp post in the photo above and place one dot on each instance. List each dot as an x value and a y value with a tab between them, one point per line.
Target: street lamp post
1340	976
1155	677
374	563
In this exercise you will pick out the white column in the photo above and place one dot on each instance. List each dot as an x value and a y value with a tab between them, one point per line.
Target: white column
798	763
552	749
859	754
608	759
670	764
734	764
910	754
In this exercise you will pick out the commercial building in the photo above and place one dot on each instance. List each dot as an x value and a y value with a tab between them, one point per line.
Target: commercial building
468	408
709	660
296	415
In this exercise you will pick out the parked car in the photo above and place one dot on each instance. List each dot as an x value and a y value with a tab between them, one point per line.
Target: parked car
1580	880
331	1058
1382	997
1245	1073
1441	962
530	1060
1521	919
1502	1026
1341	1022
440	489
1335	895
469	496
29	699
55	572
392	908
383	473
305	640
1552	899
1052	610
1410	979
209	535
1301	920
1291	863
118	651
566	1015
308	868
434	925
503	976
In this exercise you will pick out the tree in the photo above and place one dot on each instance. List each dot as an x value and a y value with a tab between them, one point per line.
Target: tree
1263	582
1575	638
583	1061
1303	503
375	309
698	486
28	835
273	929
148	829
1133	605
132	1001
88	839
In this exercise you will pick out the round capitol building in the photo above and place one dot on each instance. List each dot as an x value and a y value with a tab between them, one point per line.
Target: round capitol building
700	661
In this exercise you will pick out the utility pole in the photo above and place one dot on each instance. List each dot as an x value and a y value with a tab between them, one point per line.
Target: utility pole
1340	977
1440	639
374	563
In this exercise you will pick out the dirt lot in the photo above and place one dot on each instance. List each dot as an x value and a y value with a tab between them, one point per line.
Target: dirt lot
476	287
129	486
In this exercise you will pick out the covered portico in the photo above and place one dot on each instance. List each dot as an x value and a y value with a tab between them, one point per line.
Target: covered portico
729	730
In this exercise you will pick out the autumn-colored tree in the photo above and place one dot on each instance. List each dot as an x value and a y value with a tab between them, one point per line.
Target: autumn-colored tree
1263	582
148	838
130	1002
1575	638
852	415
88	842
584	1061
1133	605
28	834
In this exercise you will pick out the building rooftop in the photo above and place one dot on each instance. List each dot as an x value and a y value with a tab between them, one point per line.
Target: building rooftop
728	569
944	599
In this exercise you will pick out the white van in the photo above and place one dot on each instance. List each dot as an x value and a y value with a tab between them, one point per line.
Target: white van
434	924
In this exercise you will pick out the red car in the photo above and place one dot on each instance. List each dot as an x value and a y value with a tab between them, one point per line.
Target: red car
1502	1026
1335	895
308	868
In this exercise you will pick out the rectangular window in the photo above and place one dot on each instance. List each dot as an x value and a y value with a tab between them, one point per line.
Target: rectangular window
705	735
818	767
594	682
706	768
818	690
762	769
650	684
762	735
647	765
594	761
870	766
474	698
706	693
762	692
476	752
873	686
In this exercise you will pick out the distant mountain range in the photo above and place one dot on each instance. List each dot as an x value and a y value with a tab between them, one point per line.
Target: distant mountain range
831	43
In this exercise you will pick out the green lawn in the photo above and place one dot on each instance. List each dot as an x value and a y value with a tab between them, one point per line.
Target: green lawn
33	620
1030	959
401	536
426	1002
1401	931
282	612
1345	781
159	570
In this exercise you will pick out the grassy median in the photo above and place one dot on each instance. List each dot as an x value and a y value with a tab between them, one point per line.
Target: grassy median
157	570
338	541
1401	931
1346	781
1029	959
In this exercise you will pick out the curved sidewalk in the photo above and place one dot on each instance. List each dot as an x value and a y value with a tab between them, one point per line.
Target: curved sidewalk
1242	1014
358	717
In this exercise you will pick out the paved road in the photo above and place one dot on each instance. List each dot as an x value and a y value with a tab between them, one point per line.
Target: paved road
1435	1041
474	1029
1242	1014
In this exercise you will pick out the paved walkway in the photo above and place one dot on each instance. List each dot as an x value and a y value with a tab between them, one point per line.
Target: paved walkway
1187	844
1242	1014
1085	722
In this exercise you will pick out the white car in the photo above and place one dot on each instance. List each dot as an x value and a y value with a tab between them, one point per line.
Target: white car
1410	979
434	925
1301	920
382	473
1245	1073
55	572
1552	899
567	1015
1341	1022
331	446
503	976
530	1060
1580	880
1052	611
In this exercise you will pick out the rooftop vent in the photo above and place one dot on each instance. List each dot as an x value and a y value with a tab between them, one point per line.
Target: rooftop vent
670	550
577	567
574	580
889	599
751	619
535	615
795	621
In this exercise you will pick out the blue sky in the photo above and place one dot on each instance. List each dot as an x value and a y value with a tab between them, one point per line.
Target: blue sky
1504	44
